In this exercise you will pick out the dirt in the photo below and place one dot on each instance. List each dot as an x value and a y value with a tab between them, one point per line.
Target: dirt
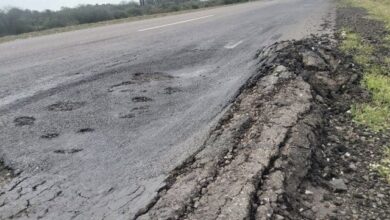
356	20
372	31
341	184
346	154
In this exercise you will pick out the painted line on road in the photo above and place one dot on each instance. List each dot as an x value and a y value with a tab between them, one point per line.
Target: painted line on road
179	22
232	46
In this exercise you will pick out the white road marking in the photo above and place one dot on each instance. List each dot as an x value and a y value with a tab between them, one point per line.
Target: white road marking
232	46
179	22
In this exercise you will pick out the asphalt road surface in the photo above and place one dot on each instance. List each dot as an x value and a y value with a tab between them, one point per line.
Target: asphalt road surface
93	120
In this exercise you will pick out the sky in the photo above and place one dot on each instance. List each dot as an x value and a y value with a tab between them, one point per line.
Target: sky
41	5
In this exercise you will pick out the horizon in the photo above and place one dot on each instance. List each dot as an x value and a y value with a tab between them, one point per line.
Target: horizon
41	5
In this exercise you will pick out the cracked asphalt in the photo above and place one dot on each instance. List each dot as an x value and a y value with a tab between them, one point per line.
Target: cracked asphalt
93	121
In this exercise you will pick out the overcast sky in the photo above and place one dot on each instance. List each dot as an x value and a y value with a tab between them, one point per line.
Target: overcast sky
51	4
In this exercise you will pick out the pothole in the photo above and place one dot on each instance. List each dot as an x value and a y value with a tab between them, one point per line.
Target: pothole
70	151
50	135
151	76
141	99
125	83
124	116
171	90
140	78
85	130
141	108
24	121
65	106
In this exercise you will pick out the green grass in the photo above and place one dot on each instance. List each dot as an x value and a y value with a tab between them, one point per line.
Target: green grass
383	167
378	9
353	44
375	114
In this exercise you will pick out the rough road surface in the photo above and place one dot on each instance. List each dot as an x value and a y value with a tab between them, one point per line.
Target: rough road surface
93	121
255	160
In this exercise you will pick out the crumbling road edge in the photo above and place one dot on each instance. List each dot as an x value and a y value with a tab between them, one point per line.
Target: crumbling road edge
253	162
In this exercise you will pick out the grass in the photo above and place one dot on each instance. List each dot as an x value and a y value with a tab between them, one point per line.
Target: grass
353	44
375	114
378	9
383	167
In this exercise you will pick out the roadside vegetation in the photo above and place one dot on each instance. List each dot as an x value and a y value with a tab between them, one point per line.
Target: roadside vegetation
376	64
14	21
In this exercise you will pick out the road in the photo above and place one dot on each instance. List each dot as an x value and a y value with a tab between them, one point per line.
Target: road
94	120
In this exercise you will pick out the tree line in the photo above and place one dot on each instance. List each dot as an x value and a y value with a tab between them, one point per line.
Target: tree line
15	21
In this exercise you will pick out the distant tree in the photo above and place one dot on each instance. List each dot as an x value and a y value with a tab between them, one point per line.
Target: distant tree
16	21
